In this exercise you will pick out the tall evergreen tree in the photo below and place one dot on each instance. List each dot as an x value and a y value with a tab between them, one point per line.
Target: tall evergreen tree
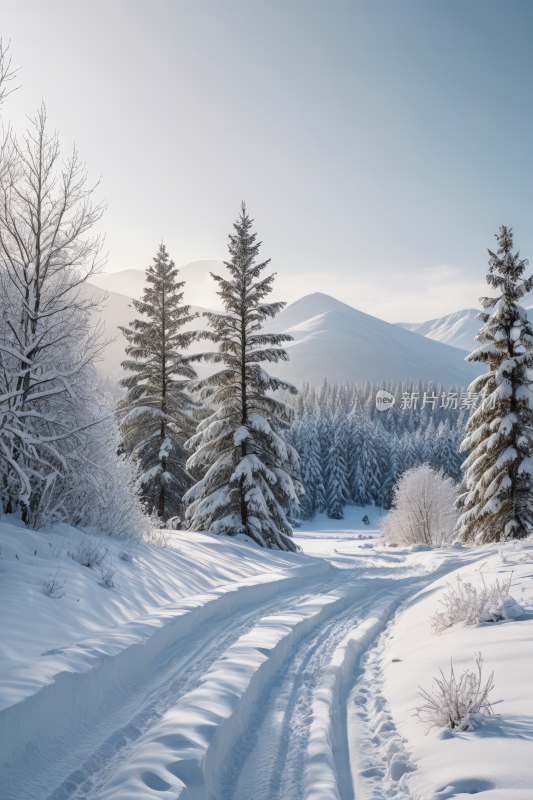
154	413
498	503
337	486
309	452
251	473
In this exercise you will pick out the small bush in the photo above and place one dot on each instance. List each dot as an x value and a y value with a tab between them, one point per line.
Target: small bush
89	552
52	586
454	702
107	577
422	510
465	603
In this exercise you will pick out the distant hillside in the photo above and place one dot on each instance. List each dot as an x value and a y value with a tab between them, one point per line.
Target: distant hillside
200	288
118	311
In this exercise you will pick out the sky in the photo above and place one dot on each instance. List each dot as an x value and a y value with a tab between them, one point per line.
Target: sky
378	144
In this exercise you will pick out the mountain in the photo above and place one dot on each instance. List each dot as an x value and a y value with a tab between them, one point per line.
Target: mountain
200	287
457	329
334	340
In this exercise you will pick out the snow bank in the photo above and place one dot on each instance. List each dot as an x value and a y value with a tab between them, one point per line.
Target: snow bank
492	760
119	631
33	622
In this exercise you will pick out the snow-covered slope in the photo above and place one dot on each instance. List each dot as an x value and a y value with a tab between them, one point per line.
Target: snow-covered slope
339	342
457	329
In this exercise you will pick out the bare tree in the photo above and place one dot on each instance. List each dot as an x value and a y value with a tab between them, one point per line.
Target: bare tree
47	251
422	509
7	73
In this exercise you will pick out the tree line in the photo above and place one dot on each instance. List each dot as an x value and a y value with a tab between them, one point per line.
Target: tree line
352	453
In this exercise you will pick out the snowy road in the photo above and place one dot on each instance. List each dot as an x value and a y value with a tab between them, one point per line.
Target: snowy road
260	668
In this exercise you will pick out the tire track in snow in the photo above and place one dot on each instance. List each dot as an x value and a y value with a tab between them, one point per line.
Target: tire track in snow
89	754
273	752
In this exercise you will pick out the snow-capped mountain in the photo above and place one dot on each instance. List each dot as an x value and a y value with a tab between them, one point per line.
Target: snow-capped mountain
457	329
334	340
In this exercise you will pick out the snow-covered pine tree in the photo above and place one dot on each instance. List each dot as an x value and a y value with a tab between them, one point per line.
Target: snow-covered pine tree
390	474
498	502
309	452
251	473
337	486
367	475
154	413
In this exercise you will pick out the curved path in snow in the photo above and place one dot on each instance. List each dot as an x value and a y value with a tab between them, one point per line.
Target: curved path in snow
250	704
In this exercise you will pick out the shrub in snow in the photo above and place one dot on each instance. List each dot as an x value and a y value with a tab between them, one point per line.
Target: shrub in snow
454	701
422	510
52	586
154	413
469	604
497	503
107	577
250	473
89	551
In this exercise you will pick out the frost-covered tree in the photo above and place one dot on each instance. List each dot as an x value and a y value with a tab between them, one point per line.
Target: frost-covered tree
47	251
154	413
102	491
251	472
498	502
422	509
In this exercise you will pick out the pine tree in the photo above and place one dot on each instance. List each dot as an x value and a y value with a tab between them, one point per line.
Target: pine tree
154	413
498	502
309	452
367	475
390	475
446	451
251	476
337	487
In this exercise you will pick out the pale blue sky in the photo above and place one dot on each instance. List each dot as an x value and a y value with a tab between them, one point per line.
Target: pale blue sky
378	144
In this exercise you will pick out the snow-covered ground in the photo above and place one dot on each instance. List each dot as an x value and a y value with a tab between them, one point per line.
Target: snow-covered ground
214	669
